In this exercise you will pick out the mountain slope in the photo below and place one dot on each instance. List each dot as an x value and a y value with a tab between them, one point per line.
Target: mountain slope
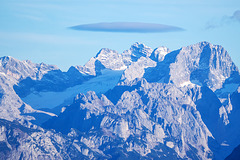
203	64
178	92
158	113
21	69
11	72
18	142
148	103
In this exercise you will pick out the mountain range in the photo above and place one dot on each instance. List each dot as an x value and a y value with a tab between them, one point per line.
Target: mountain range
140	104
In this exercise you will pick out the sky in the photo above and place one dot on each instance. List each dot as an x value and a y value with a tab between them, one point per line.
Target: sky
69	32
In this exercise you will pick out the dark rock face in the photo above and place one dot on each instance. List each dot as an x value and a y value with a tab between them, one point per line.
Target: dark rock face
235	155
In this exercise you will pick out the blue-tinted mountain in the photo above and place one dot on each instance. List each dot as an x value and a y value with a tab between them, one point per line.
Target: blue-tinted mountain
140	104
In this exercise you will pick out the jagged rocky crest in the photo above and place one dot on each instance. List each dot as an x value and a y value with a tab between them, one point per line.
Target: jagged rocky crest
141	104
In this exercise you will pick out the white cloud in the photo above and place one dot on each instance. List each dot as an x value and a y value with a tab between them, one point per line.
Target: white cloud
224	21
236	15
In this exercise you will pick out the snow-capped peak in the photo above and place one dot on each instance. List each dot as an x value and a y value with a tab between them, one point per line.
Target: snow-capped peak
106	58
105	52
138	50
203	64
111	59
159	53
21	69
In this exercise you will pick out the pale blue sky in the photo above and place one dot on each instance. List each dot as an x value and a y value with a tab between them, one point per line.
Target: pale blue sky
39	30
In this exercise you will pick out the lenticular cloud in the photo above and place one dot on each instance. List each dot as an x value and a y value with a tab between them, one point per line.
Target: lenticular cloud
128	27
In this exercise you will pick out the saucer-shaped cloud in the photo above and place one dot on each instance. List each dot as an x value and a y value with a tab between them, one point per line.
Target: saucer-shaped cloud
128	27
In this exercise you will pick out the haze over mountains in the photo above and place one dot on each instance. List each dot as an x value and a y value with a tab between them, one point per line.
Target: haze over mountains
141	104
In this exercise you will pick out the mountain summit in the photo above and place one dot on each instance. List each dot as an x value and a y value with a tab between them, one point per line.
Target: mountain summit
140	104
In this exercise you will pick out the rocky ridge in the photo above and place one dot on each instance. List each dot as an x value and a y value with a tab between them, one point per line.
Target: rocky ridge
181	104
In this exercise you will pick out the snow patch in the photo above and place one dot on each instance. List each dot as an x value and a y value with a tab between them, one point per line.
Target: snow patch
186	83
2	134
122	130
224	144
223	114
170	144
63	109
